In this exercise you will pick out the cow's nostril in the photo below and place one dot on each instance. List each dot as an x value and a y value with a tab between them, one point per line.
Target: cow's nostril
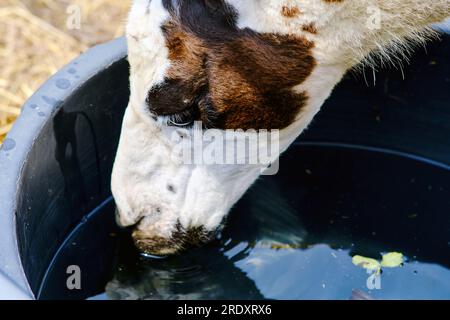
134	226
125	223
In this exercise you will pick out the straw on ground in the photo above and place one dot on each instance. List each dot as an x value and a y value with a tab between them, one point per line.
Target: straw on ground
36	42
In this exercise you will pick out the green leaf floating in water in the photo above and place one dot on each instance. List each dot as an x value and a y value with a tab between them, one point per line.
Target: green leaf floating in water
366	263
388	260
392	260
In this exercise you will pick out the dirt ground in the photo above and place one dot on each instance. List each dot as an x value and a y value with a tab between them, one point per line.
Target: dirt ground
37	37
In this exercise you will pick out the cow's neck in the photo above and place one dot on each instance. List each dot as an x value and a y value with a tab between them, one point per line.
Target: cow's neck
345	33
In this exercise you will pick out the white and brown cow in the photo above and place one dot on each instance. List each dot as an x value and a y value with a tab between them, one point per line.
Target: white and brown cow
235	64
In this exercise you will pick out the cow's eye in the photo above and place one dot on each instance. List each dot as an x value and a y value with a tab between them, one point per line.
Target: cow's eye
183	118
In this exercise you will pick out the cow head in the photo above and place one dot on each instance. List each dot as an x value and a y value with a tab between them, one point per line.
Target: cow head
198	65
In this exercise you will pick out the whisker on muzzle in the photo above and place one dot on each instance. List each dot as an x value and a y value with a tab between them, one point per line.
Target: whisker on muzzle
181	239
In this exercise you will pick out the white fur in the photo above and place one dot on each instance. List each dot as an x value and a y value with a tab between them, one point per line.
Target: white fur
144	165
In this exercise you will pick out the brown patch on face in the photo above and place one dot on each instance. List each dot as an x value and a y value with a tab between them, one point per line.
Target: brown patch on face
290	12
236	78
310	27
251	82
186	76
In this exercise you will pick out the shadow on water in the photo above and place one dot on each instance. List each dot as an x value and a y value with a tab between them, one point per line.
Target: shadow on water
66	153
292	236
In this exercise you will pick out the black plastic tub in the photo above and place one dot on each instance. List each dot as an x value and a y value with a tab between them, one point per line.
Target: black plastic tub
371	175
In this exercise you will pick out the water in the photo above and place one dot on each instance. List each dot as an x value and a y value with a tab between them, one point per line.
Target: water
291	237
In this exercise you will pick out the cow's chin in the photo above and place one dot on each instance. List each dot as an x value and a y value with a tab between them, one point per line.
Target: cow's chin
156	246
180	240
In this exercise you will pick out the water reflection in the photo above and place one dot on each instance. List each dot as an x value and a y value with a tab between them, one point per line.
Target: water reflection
271	251
291	237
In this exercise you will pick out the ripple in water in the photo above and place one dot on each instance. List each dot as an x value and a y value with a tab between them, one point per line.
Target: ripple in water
291	237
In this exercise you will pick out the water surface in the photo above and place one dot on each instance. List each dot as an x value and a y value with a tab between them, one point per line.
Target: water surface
292	236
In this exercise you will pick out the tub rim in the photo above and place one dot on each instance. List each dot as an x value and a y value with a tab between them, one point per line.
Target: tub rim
36	112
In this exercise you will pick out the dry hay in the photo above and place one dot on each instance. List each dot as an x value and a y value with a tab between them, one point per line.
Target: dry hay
36	42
